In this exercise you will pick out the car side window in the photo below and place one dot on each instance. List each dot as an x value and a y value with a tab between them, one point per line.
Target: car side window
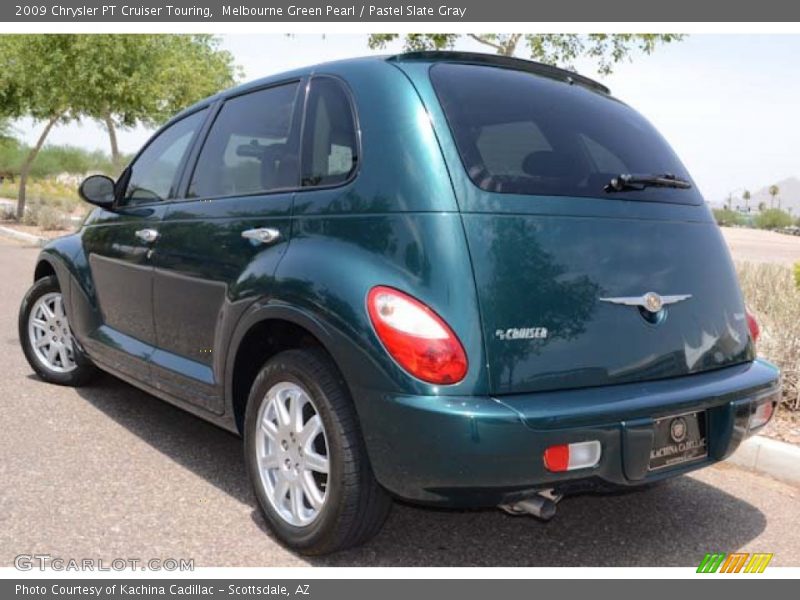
154	174
252	147
330	143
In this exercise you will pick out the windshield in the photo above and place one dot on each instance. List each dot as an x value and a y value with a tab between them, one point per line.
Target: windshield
522	133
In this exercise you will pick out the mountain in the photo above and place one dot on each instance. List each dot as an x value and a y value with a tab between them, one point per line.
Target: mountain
789	196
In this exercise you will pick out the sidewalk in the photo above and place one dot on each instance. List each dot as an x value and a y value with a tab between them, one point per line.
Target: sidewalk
769	457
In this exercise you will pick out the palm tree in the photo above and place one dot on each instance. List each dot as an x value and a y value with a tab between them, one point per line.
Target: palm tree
746	198
774	190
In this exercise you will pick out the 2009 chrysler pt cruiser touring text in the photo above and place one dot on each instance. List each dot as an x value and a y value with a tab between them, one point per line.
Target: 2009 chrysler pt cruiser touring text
456	279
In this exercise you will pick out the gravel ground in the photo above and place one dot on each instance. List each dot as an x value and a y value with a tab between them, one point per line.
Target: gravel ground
785	427
756	245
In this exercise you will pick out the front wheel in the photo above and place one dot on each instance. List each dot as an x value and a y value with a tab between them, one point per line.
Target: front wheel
47	339
306	457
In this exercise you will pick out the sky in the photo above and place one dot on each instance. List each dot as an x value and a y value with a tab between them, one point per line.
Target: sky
728	104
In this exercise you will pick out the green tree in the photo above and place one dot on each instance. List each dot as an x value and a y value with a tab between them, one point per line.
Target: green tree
560	49
773	218
774	190
120	80
40	79
145	79
746	197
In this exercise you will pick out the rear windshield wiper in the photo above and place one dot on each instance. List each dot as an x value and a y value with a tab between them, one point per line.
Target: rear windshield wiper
627	181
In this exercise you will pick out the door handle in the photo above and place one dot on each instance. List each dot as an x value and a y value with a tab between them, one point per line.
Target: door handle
147	235
262	235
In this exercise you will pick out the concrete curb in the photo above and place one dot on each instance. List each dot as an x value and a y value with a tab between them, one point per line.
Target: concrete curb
22	236
770	457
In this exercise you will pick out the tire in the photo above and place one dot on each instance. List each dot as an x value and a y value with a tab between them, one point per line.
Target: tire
76	369
354	507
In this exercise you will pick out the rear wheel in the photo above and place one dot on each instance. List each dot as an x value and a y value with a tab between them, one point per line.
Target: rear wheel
47	339
306	457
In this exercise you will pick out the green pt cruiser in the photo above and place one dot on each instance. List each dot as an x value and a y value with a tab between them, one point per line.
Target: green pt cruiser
451	278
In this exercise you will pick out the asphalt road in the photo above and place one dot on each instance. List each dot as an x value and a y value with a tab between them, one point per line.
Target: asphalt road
109	472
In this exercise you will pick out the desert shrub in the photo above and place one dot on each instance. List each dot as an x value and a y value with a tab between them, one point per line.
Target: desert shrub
44	215
727	218
62	196
31	216
797	275
52	219
8	190
55	159
772	294
773	218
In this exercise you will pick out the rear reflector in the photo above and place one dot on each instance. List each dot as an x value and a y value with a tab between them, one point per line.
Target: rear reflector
761	415
752	325
568	457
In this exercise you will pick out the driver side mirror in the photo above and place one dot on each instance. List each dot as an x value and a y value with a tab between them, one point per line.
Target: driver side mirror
98	190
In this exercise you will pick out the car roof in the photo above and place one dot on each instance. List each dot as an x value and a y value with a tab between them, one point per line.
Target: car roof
425	56
497	60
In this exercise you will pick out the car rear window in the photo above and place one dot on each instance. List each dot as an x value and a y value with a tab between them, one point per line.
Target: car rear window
523	133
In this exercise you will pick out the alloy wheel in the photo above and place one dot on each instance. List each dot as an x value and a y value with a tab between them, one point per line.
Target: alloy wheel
49	334
292	454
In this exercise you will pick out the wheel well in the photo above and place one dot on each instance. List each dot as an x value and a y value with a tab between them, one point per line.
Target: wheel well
43	269
263	341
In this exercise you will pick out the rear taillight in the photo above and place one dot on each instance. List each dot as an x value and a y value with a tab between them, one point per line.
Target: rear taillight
416	337
752	325
761	415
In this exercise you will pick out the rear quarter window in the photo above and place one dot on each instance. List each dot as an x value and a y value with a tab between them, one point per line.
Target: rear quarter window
523	133
330	142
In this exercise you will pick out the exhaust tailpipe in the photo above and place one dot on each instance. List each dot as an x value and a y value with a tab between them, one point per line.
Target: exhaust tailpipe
542	506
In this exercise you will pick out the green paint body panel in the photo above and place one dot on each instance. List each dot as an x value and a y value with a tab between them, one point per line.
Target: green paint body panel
170	318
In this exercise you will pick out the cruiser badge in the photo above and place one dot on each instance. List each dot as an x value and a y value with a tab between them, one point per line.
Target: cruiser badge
521	333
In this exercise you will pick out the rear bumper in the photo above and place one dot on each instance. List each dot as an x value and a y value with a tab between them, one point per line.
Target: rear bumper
483	451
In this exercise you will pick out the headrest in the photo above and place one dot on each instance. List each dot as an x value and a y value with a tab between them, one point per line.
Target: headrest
270	164
547	163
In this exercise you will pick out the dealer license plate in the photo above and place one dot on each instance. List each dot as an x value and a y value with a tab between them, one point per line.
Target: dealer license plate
678	439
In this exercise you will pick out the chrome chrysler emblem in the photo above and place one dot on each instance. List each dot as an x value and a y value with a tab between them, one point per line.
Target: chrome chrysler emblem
650	301
677	430
653	302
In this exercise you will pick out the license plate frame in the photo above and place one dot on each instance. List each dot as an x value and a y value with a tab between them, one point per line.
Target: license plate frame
678	439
